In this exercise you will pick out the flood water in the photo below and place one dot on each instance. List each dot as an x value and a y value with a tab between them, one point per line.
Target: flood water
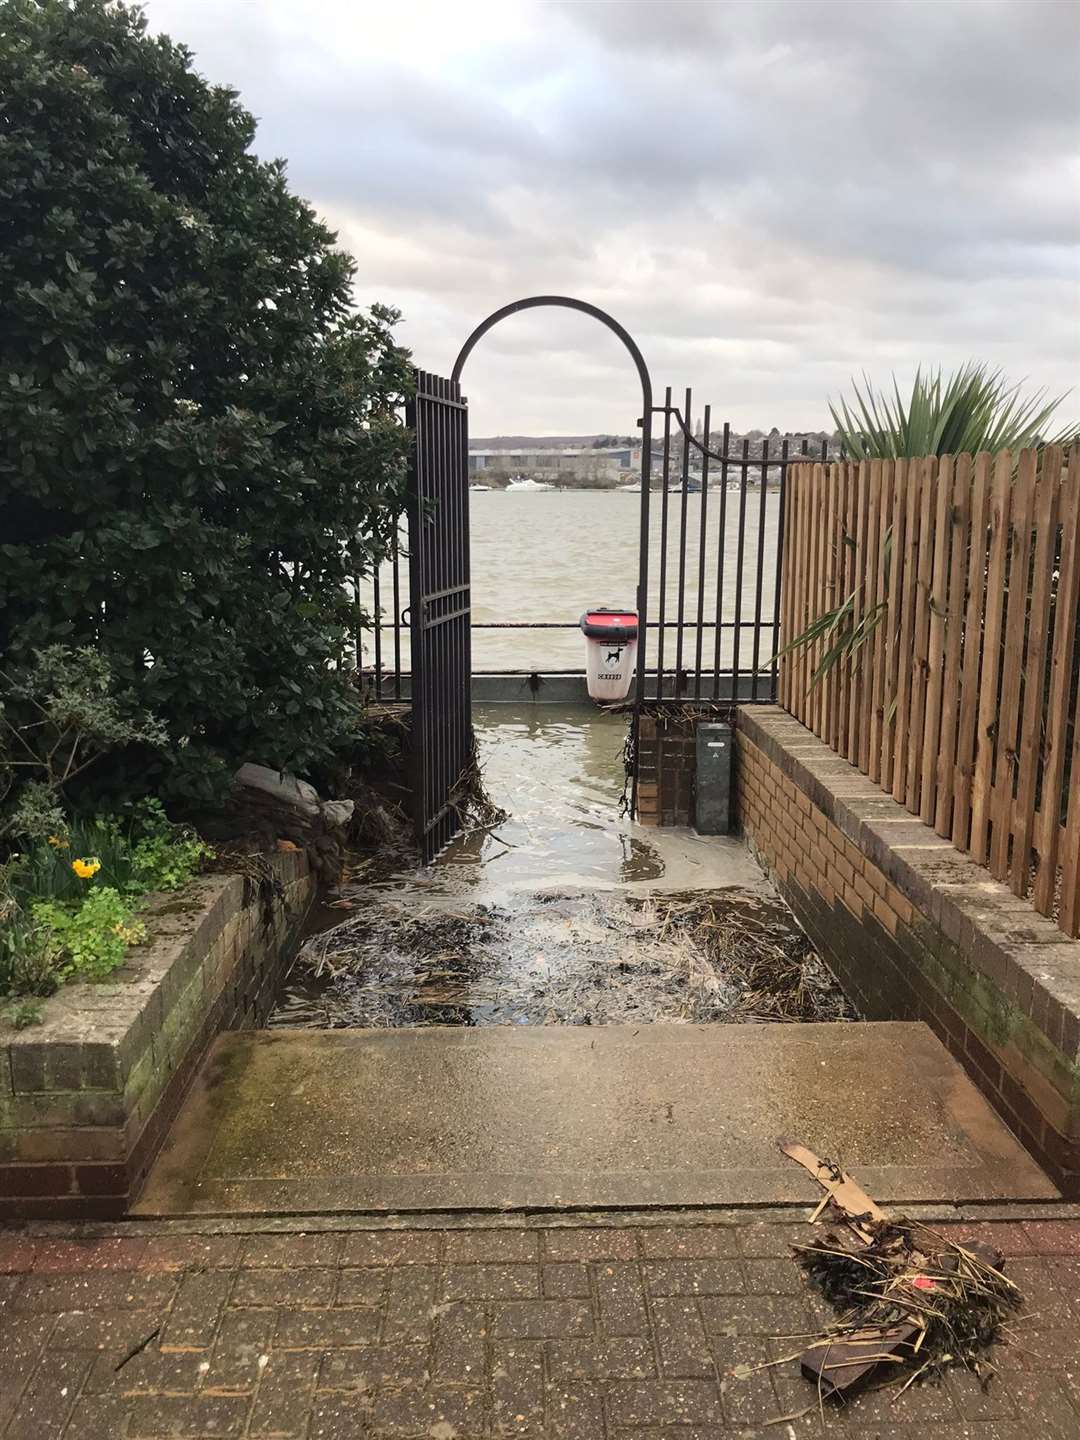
565	913
547	555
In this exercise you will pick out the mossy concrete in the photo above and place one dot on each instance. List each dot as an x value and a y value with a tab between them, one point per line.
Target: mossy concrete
575	1116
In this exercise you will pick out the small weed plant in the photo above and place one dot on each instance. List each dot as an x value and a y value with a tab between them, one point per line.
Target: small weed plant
69	905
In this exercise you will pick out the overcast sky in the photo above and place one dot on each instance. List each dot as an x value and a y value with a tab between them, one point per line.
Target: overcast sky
770	196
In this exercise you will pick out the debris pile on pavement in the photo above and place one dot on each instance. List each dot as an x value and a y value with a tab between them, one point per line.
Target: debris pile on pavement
597	958
908	1299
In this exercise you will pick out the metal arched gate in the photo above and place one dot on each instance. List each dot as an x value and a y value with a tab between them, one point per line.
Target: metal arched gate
708	634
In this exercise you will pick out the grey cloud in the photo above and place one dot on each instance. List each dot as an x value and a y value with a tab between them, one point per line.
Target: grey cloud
770	196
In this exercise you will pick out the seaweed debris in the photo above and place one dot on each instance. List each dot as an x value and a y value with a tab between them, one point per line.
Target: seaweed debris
581	959
908	1299
946	1301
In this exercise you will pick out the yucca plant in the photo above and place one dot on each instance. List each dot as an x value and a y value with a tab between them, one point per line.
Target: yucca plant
973	409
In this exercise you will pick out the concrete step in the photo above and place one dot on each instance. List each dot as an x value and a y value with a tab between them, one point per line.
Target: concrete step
351	1121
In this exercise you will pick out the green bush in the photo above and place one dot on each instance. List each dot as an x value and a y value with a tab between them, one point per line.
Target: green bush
200	441
58	717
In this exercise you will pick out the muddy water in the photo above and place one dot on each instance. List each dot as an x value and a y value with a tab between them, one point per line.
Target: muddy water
563	914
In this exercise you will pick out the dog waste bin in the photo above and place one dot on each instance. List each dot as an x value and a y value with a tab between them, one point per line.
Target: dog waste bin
610	651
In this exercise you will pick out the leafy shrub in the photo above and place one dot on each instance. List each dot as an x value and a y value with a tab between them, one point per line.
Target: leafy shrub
58	717
200	441
167	855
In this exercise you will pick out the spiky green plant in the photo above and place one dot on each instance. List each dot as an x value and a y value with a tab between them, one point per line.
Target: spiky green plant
971	410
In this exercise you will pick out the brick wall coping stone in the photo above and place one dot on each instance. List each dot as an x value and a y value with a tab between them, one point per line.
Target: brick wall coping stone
1020	951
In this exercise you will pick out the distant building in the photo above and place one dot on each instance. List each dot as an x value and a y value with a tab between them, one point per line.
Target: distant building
591	468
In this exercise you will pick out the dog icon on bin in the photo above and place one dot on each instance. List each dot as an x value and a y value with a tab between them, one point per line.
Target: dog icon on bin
611	650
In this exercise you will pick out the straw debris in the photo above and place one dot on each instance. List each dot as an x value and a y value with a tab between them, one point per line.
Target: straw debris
598	958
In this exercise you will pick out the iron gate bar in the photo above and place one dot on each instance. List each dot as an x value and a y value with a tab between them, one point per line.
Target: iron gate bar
666	477
378	630
739	558
720	557
702	541
682	543
397	614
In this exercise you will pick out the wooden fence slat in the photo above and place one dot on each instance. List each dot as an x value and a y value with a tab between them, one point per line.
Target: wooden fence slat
895	591
886	473
870	485
967	724
791	543
789	588
832	597
920	650
811	592
1069	912
803	612
801	657
843	554
797	487
1047	491
907	628
844	676
853	586
982	789
822	599
837	673
1048	820
954	602
937	604
1012	675
798	621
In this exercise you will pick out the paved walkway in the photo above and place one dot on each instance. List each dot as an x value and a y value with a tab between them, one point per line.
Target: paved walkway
626	1330
573	1117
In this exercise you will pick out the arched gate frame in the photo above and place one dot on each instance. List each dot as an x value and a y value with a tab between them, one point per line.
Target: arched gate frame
686	671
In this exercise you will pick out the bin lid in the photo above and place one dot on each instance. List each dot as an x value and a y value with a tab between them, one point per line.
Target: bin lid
603	623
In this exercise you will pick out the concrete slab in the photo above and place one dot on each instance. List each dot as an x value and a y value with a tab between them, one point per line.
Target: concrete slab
306	1122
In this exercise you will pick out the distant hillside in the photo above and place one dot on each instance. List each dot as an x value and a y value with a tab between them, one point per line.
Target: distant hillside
534	442
754	438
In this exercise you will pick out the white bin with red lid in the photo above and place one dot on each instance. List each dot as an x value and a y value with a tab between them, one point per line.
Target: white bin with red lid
611	638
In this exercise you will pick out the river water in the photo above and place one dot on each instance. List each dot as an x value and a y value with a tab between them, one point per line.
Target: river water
547	555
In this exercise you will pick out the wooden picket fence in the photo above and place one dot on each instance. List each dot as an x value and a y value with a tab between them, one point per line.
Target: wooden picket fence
962	703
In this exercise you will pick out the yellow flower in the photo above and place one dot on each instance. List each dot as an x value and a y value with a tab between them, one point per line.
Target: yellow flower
85	868
58	842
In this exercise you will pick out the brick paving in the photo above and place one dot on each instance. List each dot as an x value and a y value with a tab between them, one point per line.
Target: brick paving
571	1331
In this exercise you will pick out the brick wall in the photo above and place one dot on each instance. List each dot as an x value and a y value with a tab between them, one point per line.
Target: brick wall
87	1096
666	763
915	930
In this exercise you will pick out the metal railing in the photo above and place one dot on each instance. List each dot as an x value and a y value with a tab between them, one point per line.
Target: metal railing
717	591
